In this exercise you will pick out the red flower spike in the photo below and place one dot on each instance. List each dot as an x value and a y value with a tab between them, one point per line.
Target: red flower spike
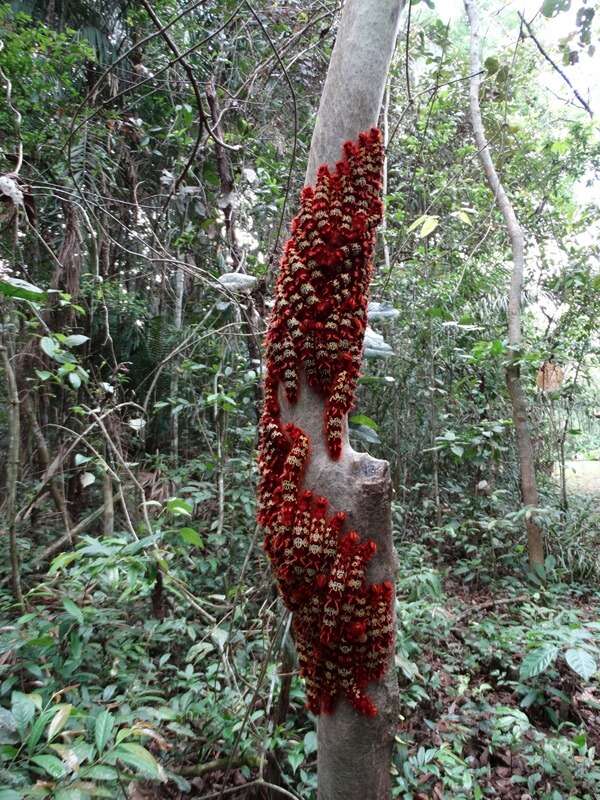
342	625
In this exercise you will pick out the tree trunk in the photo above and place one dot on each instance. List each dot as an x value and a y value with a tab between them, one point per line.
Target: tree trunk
177	322
12	460
529	492
247	308
354	751
57	488
109	506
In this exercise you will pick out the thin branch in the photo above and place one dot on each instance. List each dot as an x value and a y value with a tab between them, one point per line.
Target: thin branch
18	119
198	770
407	48
295	144
257	783
69	537
554	65
73	130
112	100
202	122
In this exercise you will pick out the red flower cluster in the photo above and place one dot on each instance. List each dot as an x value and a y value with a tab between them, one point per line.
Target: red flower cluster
320	313
342	625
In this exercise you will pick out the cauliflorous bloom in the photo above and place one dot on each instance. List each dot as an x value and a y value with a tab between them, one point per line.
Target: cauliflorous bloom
342	625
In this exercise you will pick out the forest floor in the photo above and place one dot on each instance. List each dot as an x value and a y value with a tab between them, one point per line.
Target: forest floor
497	671
584	477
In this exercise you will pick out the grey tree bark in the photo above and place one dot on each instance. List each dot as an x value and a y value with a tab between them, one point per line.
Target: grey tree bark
354	752
529	491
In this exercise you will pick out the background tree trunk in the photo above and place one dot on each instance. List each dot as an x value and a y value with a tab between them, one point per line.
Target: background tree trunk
13	455
529	492
354	751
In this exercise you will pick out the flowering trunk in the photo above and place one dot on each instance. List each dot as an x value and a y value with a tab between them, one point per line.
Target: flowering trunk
325	507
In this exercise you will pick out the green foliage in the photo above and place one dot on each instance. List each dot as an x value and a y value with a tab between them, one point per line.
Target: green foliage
154	645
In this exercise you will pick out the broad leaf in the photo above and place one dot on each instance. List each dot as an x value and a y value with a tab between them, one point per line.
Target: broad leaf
102	773
51	764
87	478
138	757
102	731
59	720
10	794
49	346
73	610
179	507
362	419
23	710
428	226
190	536
581	662
537	661
76	340
21	290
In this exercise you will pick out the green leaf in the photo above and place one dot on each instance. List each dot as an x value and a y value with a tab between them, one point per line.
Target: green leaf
87	478
428	226
581	662
37	730
22	709
102	773
49	346
295	759
73	793
43	374
63	560
366	434
462	216
75	340
8	726
103	728
310	743
40	641
416	223
74	379
362	419
59	720
179	507
21	290
73	610
51	764
537	661
491	64
551	8
138	757
123	733
10	794
190	536
220	636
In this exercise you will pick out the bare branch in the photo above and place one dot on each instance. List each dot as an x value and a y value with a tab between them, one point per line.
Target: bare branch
554	65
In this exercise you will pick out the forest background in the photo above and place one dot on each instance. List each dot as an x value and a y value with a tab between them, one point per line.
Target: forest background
147	184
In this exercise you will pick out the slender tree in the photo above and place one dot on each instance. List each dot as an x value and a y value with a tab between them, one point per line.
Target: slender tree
12	456
529	491
354	750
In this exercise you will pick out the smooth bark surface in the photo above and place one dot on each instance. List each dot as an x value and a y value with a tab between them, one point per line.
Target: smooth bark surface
529	490
353	91
354	752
